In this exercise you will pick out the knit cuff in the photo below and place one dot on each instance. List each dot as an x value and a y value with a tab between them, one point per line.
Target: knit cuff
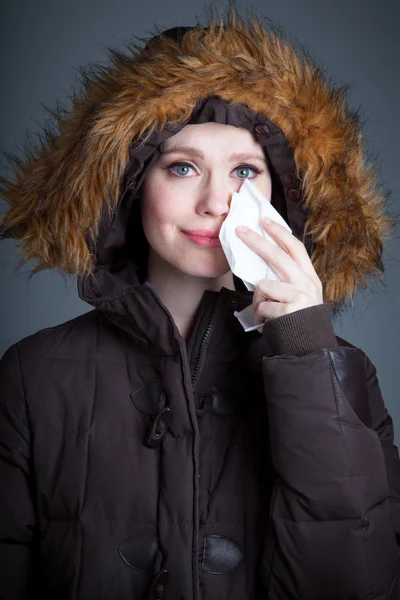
301	332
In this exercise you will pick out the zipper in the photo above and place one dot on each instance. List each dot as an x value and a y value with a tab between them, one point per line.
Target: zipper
196	440
199	362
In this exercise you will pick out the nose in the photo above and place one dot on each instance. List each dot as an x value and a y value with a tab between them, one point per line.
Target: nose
215	195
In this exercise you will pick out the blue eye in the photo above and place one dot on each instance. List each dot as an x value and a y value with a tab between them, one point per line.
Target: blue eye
181	169
179	165
244	168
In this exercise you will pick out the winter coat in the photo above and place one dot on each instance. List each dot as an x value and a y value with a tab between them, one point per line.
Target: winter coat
240	466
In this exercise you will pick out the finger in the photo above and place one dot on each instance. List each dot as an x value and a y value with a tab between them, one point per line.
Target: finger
271	289
284	266
270	310
291	245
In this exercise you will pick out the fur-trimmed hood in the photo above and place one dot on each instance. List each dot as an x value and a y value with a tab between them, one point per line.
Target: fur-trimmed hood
75	189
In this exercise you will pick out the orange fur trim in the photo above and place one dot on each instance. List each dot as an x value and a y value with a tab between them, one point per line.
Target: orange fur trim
58	191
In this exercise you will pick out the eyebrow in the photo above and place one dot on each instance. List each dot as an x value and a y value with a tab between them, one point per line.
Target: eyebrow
199	153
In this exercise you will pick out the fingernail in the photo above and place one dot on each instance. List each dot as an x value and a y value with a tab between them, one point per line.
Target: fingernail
242	228
267	221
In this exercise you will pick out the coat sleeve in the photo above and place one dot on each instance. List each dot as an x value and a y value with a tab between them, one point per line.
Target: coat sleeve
335	509
17	517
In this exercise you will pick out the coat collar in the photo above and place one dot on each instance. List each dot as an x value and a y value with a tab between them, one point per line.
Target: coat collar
139	312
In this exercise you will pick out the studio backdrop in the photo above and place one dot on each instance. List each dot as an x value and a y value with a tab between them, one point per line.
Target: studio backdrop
44	43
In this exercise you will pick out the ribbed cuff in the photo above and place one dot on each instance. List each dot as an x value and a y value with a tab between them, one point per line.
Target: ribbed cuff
301	332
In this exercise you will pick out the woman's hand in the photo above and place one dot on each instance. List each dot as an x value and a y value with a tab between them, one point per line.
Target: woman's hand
299	286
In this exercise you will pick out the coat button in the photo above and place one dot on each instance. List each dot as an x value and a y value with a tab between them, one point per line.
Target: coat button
262	129
293	194
233	302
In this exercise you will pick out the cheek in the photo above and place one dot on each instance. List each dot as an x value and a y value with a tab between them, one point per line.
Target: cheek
152	212
159	207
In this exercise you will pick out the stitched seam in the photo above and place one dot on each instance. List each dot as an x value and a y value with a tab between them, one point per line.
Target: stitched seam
111	520
203	564
272	534
336	386
85	482
27	412
345	519
76	359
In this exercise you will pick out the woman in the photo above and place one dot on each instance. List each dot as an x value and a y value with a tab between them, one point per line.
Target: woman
151	448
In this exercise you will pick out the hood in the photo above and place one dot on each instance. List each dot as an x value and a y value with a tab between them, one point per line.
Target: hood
72	198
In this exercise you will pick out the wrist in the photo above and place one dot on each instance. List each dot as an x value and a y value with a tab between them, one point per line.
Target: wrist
301	332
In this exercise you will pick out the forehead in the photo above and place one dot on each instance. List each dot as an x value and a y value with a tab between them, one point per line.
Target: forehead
222	136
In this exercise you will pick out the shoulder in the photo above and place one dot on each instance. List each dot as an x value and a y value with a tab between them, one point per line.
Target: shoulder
345	343
73	346
60	340
59	362
359	355
86	337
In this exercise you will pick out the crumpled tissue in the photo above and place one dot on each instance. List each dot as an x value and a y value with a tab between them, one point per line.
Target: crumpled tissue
248	207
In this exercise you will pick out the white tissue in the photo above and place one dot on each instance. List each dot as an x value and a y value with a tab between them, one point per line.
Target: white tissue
248	207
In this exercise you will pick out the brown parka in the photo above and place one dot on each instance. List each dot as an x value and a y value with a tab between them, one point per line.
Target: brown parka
240	466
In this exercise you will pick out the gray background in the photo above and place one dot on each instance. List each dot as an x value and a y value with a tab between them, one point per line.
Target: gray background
42	44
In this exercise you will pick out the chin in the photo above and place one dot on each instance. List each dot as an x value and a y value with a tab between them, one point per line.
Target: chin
199	268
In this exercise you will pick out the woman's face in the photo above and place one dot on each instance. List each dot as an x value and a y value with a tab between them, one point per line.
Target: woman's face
190	187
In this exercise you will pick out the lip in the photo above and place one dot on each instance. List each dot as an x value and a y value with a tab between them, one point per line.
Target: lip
207	241
202	232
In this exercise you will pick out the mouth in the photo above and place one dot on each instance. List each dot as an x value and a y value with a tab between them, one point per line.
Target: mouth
203	233
207	241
